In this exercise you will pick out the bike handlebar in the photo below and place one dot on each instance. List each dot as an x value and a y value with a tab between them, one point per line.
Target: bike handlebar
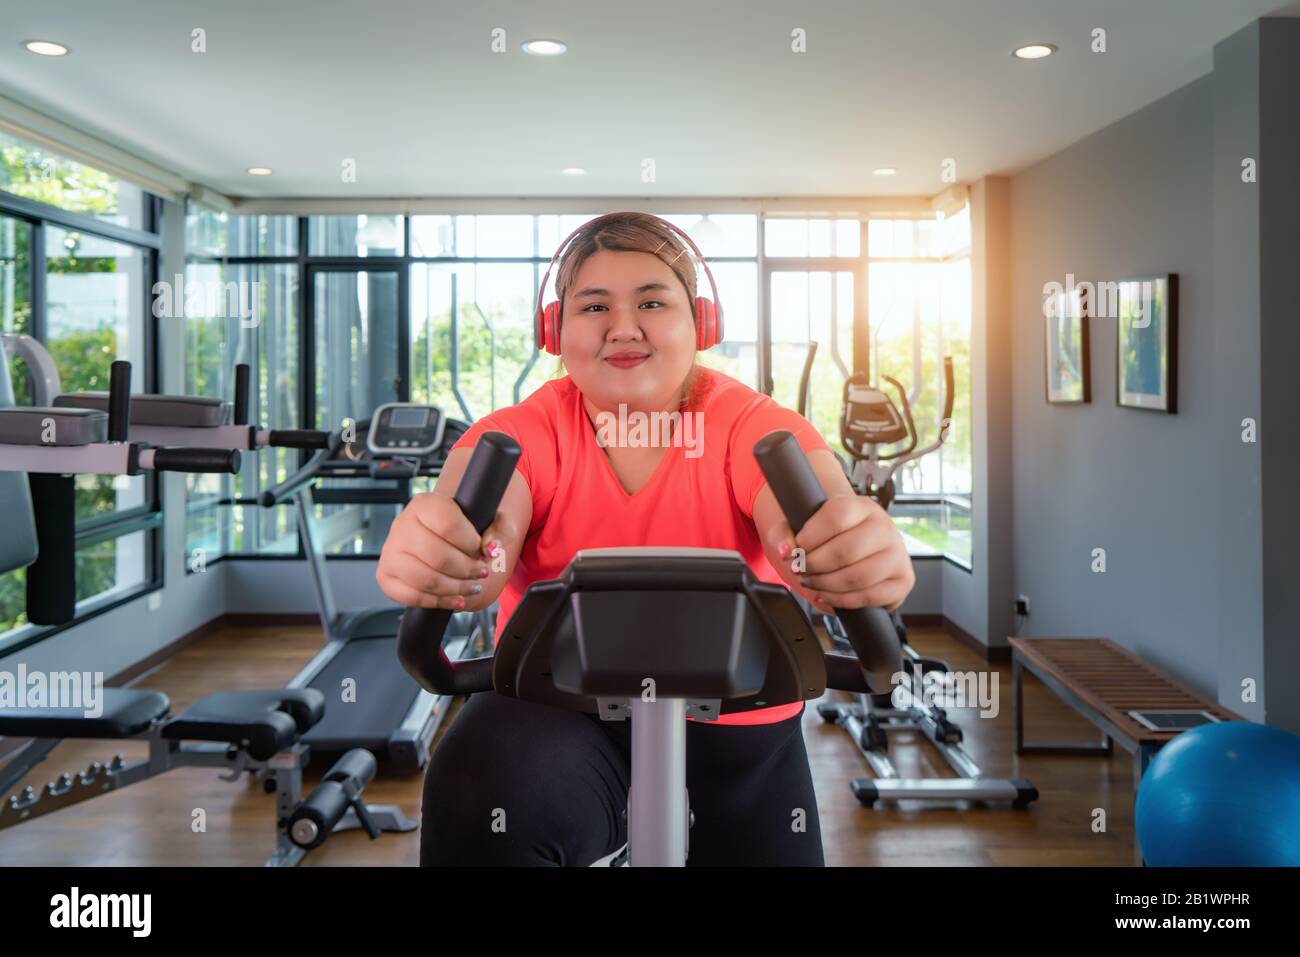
419	637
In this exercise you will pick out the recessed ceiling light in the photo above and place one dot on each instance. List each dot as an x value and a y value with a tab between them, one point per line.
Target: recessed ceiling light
259	171
544	47
885	171
1033	51
46	47
574	171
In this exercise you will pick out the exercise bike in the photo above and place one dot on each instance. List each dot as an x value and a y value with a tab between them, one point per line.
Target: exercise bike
880	438
694	622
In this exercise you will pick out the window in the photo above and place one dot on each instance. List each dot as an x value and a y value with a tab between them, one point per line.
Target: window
899	306
355	236
919	308
94	309
34	172
811	237
15	317
94	303
218	338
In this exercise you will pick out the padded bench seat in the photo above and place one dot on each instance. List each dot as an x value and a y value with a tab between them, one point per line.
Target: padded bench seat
264	723
50	426
186	411
126	713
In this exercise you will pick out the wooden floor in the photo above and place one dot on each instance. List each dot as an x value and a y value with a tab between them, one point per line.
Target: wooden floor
150	822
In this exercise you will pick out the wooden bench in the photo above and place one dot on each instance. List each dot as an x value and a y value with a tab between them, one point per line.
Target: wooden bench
1103	681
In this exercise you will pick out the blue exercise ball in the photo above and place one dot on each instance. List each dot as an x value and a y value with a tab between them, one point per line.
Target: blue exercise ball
1222	795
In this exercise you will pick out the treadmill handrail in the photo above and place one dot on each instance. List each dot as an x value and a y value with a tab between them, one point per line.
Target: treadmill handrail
279	494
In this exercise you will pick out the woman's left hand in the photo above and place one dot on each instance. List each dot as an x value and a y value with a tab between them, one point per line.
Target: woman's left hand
847	555
852	556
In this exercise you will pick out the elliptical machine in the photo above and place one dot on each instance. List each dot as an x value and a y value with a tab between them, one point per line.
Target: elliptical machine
881	438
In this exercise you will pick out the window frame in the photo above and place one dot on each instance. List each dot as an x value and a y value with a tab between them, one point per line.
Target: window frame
149	516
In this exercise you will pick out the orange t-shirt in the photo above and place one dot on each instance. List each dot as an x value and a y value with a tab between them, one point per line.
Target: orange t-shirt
700	496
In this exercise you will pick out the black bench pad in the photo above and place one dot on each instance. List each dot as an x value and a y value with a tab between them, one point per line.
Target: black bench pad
126	713
264	723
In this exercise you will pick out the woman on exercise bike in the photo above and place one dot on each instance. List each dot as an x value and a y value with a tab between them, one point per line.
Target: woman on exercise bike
516	782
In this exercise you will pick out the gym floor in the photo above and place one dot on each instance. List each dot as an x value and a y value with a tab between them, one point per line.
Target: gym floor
150	823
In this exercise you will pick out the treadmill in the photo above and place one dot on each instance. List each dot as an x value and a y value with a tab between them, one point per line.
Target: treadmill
390	715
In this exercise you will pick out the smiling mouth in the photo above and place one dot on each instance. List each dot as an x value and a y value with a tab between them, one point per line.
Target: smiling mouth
627	360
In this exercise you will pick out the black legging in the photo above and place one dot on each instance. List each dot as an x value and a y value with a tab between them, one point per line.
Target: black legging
513	782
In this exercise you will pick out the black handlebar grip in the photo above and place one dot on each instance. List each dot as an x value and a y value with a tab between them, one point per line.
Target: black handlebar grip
119	401
243	390
196	460
792	480
419	637
298	439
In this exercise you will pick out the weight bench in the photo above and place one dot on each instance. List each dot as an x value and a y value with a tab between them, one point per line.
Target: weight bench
1103	681
244	731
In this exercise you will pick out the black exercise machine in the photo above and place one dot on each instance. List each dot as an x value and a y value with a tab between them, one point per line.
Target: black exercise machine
881	438
42	448
391	716
713	639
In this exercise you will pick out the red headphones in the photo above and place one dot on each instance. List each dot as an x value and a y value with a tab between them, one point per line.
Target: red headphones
708	313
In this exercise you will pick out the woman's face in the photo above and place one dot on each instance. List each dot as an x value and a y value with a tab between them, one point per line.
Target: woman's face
628	332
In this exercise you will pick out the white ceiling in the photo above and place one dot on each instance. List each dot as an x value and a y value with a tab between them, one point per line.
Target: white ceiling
708	89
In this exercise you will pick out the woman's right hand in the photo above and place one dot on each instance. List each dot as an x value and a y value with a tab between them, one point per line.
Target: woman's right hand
433	557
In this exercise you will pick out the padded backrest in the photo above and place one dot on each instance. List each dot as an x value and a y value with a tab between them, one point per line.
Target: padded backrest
18	543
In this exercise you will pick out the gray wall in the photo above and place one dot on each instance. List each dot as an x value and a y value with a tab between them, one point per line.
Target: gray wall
1132	200
1279	243
1199	527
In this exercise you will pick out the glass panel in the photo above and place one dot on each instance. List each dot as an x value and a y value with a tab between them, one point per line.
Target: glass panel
811	307
105	571
720	234
811	237
362	235
13	600
935	528
493	336
108	569
355	321
15	301
737	354
94	313
954	233
210	234
552	230
34	172
920	312
269	342
353	529
432	236
494	236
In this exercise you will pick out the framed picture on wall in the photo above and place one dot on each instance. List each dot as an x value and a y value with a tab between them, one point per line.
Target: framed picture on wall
1147	344
1069	379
